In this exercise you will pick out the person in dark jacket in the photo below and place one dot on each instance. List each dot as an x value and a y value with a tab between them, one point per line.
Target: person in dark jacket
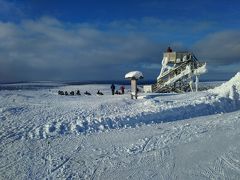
99	93
122	89
78	92
87	93
113	88
60	92
169	49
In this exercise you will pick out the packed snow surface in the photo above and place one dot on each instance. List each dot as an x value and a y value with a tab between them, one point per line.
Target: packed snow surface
158	136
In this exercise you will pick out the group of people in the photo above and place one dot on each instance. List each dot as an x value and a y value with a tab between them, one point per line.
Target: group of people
120	91
72	93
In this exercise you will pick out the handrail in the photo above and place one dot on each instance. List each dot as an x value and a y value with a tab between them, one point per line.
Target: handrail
159	86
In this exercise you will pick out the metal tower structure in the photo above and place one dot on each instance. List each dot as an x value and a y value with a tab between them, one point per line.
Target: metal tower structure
178	71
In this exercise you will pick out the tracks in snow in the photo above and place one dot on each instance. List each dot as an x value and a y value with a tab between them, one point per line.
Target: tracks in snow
225	167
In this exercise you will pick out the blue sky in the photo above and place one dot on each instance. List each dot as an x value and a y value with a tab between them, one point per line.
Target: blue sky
102	40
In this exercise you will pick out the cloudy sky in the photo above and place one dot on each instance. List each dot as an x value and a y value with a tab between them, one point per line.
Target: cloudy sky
102	40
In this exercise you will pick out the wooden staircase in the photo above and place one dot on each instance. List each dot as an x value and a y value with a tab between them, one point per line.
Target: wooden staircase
178	77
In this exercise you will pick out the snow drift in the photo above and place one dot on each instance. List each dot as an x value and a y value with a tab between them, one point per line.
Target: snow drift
47	136
54	115
229	89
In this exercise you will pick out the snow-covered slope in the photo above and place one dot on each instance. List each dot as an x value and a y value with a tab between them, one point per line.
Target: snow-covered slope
44	135
229	89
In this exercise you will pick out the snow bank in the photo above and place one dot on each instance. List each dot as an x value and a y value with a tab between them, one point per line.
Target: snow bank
230	89
41	135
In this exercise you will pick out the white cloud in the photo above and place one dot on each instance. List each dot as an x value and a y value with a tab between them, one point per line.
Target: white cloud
49	49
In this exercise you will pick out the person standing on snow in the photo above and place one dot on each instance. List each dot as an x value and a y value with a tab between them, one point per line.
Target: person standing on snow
113	88
169	49
122	89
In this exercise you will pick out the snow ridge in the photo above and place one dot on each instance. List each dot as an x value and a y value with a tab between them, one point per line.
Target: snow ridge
206	106
229	89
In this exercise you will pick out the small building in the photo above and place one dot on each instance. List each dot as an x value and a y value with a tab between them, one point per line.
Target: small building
147	88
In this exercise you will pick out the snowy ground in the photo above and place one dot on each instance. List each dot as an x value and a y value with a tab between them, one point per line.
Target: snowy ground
159	136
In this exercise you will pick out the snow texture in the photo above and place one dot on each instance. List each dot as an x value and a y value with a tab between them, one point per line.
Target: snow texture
44	135
134	74
200	70
165	68
231	85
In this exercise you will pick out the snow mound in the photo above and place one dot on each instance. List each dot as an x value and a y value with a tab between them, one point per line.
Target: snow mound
134	74
230	89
